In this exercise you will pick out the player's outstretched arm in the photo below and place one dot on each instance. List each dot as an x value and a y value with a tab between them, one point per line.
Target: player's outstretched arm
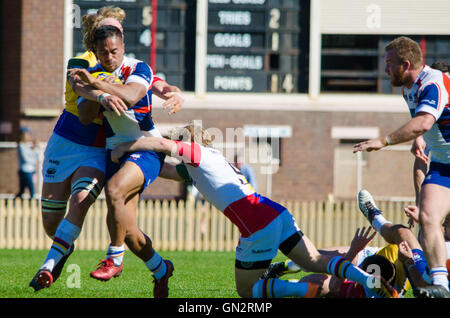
416	127
156	144
361	239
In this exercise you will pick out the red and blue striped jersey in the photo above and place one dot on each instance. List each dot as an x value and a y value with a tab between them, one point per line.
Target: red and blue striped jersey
430	93
137	121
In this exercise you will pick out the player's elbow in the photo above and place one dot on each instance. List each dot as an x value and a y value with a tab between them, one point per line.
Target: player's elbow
426	122
163	146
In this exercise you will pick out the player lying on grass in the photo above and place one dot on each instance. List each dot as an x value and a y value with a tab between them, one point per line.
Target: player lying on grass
360	254
403	252
264	225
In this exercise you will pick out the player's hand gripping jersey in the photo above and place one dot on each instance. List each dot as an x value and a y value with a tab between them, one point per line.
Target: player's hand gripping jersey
430	93
68	125
137	121
226	188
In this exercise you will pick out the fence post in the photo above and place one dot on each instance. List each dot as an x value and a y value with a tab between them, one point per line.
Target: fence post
221	233
165	226
318	215
157	227
198	226
328	216
181	225
190	225
26	225
95	210
2	223
206	226
18	213
104	234
9	224
150	213
312	222
34	224
173	226
213	237
228	234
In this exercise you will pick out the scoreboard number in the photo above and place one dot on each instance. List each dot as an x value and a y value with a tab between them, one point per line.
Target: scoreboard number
274	22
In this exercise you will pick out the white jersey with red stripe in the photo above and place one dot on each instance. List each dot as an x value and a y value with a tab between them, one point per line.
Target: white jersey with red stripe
430	93
216	179
224	186
137	121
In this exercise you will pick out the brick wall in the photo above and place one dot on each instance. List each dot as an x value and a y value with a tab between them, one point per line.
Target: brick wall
42	58
11	30
33	78
306	172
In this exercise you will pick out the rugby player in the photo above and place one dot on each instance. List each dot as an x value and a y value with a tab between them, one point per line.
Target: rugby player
74	165
128	179
426	92
264	225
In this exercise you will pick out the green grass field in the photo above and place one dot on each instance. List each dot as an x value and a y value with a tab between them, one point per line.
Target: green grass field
197	275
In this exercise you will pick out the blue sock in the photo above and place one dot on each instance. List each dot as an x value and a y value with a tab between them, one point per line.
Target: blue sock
276	288
65	235
157	266
419	260
343	268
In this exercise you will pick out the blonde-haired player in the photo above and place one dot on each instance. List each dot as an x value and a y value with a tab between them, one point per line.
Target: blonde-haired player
265	226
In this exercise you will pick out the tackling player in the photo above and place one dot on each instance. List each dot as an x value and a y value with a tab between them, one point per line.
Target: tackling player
264	225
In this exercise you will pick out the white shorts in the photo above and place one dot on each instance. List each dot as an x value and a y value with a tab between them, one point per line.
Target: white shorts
263	244
62	157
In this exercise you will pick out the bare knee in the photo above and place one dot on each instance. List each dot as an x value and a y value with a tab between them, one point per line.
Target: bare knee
114	193
79	205
426	219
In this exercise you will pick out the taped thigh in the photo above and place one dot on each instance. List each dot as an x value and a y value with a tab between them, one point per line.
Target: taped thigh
87	184
53	206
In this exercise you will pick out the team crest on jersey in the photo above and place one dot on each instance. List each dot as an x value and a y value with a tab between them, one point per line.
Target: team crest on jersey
135	156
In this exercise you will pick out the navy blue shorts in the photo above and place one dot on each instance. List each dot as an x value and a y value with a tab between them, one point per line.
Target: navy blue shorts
149	162
438	173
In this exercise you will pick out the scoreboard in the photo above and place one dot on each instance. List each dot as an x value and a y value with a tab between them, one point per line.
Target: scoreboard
252	45
257	45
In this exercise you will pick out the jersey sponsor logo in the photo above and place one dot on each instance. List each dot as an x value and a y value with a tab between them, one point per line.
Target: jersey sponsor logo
429	101
50	173
261	251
